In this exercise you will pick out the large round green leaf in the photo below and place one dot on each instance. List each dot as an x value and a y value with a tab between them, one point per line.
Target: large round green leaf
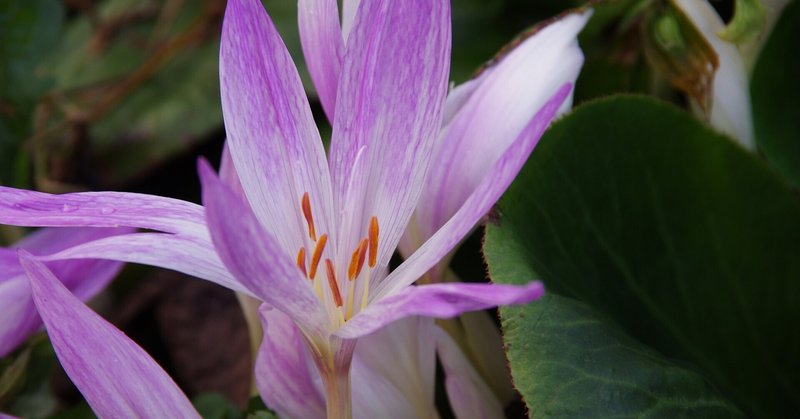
776	96
686	240
569	363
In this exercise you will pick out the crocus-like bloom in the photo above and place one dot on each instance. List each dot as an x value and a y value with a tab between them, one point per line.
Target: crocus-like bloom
85	278
512	89
118	379
314	237
730	107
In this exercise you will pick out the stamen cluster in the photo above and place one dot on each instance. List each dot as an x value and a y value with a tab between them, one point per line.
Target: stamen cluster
365	251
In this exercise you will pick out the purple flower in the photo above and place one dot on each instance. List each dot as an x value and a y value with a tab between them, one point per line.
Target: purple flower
314	235
511	89
84	278
394	369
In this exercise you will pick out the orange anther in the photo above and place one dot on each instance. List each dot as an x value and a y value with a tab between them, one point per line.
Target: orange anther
351	268
373	241
301	260
337	296
357	260
306	206
362	255
315	258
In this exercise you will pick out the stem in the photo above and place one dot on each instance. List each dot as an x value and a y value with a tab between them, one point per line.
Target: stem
337	393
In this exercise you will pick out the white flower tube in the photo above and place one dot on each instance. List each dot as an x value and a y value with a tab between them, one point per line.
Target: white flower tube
730	108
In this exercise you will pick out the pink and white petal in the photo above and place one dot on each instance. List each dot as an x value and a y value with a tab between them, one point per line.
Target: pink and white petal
117	377
188	255
323	47
477	205
255	259
394	370
273	140
84	278
390	100
285	376
510	93
439	301
469	395
101	209
459	95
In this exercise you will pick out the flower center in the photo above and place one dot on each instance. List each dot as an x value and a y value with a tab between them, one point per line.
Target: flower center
366	251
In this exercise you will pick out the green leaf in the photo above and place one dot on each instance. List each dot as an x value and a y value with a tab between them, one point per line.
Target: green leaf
570	363
215	406
683	238
776	101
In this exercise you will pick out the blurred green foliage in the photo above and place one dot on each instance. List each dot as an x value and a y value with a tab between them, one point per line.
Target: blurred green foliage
28	30
776	97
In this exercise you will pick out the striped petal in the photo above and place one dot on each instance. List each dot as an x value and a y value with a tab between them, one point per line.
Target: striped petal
101	209
117	378
188	255
84	278
255	259
273	140
477	205
389	107
437	300
508	95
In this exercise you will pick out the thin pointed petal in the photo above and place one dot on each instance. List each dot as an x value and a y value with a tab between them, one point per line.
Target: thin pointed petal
389	103
477	205
188	255
437	300
323	47
469	395
512	91
255	259
101	209
84	278
285	375
273	140
117	377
